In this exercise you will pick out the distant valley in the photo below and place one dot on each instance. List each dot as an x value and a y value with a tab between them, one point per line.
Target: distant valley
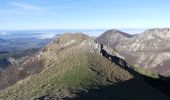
18	48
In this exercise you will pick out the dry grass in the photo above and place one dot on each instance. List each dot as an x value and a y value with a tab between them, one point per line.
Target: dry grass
71	68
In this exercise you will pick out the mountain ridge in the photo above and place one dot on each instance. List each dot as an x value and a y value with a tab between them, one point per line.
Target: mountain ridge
149	49
73	68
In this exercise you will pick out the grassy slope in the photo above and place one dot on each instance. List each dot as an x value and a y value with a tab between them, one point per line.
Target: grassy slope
145	72
80	70
73	72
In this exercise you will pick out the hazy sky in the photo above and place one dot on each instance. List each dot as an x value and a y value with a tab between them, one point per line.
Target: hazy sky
84	14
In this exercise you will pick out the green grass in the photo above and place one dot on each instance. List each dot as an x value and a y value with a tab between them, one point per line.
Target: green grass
74	72
78	73
145	72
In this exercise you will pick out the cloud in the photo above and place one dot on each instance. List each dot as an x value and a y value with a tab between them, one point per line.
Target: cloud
49	10
27	6
32	8
3	33
44	35
94	32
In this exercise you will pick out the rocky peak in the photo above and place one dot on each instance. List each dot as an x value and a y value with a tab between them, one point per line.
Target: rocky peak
117	32
64	41
111	38
67	37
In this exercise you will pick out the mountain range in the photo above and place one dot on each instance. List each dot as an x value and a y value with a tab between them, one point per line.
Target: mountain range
150	49
77	67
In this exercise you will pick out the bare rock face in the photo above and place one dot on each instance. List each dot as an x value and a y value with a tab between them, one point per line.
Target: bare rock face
150	49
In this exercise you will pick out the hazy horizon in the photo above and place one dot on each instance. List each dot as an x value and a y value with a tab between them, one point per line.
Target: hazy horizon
41	34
